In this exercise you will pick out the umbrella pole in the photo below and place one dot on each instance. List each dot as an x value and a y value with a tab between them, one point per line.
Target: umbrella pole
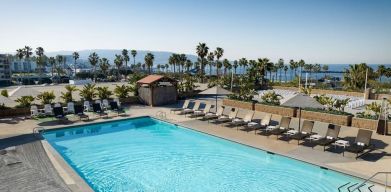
216	103
299	119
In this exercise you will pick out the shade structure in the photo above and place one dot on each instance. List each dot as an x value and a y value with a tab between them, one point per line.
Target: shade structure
300	101
216	91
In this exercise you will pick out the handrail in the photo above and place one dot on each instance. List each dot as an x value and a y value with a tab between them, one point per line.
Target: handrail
374	175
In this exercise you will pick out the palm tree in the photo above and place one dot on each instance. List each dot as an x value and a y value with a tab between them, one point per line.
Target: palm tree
27	52
354	77
219	52
226	65
182	61
317	68
52	62
171	61
59	59
166	66
40	61
93	59
133	53
285	70
325	69
262	66
280	66
20	55
202	52
125	56
149	61
235	66
118	63
75	56
188	65
104	66
292	66
301	64
211	58
243	63
381	71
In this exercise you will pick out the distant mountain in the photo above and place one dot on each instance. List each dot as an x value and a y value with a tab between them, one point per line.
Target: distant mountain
161	57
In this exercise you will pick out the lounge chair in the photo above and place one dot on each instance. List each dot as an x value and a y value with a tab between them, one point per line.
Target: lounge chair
226	118
265	121
70	107
48	110
57	105
282	127
114	107
239	122
196	107
210	116
361	143
105	104
201	113
118	102
185	106
98	110
305	131
87	106
79	111
59	114
34	111
331	136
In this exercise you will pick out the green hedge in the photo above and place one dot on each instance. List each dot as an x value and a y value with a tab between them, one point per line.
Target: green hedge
334	112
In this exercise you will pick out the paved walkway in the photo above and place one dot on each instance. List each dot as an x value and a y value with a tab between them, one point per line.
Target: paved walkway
378	160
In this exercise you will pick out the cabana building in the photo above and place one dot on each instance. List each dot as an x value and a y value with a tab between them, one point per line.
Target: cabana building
155	90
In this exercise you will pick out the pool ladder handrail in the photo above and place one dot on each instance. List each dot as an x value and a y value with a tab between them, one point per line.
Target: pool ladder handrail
38	130
161	115
370	178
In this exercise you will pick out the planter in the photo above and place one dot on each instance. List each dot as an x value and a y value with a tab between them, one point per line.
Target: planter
365	123
239	104
284	111
14	112
327	117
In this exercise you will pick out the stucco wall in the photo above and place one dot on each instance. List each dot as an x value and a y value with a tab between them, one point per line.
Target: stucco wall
328	118
284	111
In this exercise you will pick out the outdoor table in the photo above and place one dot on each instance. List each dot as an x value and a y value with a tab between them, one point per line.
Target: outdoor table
341	143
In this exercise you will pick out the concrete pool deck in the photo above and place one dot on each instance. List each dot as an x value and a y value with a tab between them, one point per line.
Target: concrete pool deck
376	161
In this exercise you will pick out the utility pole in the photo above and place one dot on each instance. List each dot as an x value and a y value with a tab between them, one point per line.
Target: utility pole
365	86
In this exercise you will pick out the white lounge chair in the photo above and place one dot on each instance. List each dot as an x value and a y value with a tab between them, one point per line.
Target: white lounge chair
34	111
48	109
70	107
87	106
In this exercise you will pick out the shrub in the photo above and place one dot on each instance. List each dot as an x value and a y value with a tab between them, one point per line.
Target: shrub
271	98
4	93
46	97
24	101
88	92
122	91
334	112
67	96
104	92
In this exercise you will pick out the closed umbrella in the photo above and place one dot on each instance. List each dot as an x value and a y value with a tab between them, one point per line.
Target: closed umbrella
216	91
300	101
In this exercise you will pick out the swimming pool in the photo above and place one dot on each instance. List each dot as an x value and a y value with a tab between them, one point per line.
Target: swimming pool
145	154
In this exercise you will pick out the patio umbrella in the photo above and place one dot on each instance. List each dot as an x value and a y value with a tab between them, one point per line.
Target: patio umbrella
216	91
300	101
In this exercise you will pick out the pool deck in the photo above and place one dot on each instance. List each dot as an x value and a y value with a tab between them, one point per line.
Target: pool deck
18	131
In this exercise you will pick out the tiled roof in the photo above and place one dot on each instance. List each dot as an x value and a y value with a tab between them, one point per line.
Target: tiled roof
150	79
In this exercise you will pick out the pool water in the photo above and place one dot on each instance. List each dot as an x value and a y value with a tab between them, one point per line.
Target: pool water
145	154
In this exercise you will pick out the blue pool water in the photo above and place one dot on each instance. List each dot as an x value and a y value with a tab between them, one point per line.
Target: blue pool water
145	154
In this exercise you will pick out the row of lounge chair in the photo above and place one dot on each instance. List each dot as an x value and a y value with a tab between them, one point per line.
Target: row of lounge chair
59	113
282	130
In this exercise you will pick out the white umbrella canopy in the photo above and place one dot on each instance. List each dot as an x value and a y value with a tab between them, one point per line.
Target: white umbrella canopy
216	90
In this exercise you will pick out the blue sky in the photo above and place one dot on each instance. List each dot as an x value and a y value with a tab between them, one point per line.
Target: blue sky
329	31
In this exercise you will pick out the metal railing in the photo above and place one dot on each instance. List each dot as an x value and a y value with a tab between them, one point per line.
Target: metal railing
370	178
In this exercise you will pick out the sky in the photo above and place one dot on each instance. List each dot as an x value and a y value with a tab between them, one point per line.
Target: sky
328	31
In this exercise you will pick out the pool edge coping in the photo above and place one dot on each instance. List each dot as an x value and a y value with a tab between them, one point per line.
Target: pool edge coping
75	176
